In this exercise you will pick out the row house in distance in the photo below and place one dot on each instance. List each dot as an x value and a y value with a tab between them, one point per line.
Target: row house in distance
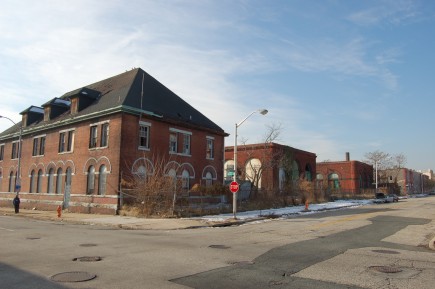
345	177
404	181
76	148
270	165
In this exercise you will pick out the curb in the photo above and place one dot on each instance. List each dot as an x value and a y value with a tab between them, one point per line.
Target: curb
432	244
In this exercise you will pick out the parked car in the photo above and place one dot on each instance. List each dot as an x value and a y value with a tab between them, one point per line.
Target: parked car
382	198
394	196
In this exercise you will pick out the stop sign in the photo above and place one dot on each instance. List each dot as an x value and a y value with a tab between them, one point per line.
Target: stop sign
234	187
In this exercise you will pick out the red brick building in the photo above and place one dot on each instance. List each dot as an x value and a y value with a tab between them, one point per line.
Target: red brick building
344	176
76	148
270	165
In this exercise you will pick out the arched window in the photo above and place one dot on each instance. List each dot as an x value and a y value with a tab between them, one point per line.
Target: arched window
172	174
39	182
59	181
333	181
208	179
252	171
50	181
295	171
281	178
141	171
102	180
91	180
319	181
32	181
185	180
308	175
141	174
11	182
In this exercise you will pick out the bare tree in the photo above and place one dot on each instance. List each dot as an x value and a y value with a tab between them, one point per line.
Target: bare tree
399	161
378	158
387	164
153	190
254	170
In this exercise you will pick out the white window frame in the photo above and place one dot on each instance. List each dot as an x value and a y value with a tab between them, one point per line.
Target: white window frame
15	153
36	152
98	125
93	136
2	151
68	140
104	136
147	125
209	156
186	139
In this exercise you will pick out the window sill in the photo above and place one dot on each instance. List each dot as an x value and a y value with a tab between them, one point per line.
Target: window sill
180	154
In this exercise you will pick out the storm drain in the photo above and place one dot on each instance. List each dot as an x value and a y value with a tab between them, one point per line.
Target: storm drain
386	251
241	263
75	276
88	245
88	259
219	247
386	269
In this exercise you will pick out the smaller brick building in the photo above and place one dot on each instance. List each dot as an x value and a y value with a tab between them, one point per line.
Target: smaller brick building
404	181
270	165
349	176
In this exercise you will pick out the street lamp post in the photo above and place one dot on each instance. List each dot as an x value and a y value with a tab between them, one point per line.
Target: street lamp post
262	112
376	177
18	180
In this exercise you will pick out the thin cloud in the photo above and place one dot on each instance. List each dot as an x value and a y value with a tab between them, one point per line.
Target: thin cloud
349	59
393	12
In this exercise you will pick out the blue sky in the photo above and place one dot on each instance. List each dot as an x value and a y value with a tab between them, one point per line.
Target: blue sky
338	76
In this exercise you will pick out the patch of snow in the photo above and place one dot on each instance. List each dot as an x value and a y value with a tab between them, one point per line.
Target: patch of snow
293	210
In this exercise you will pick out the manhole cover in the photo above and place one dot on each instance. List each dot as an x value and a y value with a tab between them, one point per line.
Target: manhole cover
386	269
88	259
33	238
386	251
219	247
75	276
88	245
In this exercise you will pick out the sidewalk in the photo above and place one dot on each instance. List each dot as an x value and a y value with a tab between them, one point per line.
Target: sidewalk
122	222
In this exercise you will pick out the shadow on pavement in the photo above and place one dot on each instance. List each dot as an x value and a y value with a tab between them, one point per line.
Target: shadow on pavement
14	278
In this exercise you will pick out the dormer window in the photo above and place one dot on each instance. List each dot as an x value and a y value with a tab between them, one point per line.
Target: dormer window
32	115
55	107
82	98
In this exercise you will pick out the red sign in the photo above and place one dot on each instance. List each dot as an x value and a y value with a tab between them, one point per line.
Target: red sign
234	187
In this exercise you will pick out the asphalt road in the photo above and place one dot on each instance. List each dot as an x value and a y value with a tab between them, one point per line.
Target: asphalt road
379	246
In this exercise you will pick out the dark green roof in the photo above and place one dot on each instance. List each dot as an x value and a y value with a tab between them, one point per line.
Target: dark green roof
134	91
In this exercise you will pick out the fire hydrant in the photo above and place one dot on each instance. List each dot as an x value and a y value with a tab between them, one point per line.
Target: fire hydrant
306	205
59	211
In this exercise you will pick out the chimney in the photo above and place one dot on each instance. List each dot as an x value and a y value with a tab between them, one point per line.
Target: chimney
347	157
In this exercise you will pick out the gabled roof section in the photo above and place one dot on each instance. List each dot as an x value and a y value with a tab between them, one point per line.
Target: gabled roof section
146	93
137	91
133	91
